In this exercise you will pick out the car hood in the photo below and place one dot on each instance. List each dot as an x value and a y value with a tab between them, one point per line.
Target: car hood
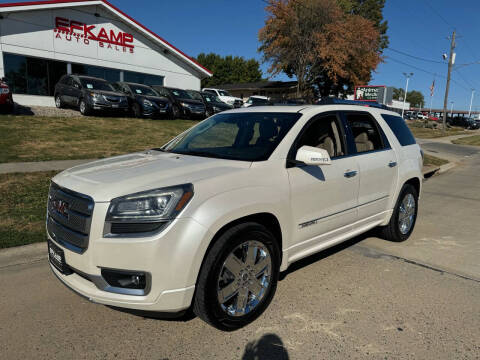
105	92
221	105
154	98
109	178
190	101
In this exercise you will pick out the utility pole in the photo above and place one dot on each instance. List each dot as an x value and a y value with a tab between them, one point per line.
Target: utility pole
450	65
471	101
408	76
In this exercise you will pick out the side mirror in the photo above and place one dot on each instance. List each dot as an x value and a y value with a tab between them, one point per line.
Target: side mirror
310	155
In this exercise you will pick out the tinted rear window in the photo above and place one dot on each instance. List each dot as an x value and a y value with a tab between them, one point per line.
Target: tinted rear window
400	129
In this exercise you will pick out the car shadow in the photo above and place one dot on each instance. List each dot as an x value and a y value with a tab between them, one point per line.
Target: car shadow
187	315
297	265
269	346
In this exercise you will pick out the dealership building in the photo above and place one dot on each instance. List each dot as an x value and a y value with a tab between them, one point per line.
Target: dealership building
41	41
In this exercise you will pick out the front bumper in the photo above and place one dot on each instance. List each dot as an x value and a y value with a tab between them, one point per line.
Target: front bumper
172	259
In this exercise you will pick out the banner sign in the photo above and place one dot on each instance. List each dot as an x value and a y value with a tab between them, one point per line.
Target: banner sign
71	30
369	93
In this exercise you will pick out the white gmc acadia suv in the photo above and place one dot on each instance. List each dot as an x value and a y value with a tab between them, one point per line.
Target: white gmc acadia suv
210	219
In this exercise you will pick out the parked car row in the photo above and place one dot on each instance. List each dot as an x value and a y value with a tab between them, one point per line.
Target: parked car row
90	94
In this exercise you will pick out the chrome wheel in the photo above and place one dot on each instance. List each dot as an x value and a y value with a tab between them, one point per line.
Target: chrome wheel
82	107
244	278
406	215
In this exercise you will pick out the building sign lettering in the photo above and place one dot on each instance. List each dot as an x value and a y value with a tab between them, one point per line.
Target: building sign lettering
71	30
368	92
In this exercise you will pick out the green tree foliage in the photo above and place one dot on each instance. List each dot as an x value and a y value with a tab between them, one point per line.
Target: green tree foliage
371	10
415	98
229	69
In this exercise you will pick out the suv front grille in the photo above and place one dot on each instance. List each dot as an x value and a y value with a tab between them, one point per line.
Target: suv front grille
197	108
112	99
69	217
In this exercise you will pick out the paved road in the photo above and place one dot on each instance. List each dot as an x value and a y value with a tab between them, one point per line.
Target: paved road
368	298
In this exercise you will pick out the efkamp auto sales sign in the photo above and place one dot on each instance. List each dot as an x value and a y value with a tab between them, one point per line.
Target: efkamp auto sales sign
83	34
368	92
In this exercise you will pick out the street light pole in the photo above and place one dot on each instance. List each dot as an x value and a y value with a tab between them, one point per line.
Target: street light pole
406	90
471	101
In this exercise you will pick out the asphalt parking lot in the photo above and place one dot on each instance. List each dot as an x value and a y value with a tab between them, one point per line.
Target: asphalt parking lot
367	298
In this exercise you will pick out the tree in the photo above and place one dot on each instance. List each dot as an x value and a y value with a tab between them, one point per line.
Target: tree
229	69
320	43
371	10
415	98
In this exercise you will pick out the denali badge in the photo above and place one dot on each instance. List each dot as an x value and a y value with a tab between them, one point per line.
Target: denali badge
61	207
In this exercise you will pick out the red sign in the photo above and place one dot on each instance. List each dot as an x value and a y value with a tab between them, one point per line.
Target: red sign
75	30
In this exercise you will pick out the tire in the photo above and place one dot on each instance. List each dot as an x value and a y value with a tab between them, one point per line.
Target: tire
175	112
137	112
58	102
84	108
228	315
395	231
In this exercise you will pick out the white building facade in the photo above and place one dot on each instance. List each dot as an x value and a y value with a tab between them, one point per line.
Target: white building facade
43	40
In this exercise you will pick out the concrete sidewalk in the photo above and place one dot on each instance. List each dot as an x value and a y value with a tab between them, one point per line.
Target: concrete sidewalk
25	167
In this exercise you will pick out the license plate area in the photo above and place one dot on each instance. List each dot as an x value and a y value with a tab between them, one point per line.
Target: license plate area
57	258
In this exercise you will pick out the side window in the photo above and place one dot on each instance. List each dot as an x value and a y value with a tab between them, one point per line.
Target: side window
324	133
400	129
365	132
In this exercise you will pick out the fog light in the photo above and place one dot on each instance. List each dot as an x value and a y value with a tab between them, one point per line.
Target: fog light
124	279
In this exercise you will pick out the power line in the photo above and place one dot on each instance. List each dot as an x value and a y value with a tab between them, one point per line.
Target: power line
438	14
415	57
425	71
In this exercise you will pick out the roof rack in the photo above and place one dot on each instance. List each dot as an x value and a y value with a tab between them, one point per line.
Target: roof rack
337	101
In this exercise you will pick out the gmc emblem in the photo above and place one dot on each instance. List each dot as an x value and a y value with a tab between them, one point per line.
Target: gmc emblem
61	207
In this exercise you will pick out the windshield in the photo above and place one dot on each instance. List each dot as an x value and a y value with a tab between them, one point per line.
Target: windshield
195	95
180	94
211	98
224	93
238	136
143	90
94	84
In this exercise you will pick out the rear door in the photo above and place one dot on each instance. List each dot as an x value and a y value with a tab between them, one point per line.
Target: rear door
377	163
323	198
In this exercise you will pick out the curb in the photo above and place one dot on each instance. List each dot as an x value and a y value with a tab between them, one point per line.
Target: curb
25	254
429	172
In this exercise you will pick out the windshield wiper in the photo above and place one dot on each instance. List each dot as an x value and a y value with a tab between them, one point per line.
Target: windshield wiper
159	149
202	153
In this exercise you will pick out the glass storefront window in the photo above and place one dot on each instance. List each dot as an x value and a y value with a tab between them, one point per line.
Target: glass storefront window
15	67
33	76
37	76
140	78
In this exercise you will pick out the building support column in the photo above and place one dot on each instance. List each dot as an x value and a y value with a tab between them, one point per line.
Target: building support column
69	68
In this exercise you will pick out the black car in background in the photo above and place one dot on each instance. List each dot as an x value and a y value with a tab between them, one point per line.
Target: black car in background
183	105
143	100
89	94
213	104
464	122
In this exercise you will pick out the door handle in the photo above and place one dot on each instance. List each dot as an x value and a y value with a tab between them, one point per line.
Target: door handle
392	164
350	173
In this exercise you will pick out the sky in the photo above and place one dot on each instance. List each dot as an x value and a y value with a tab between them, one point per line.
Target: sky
417	28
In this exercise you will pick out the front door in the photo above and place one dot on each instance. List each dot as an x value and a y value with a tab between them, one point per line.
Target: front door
323	198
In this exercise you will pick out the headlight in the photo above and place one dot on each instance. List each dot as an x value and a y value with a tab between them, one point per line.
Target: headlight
95	96
5	90
150	206
185	104
147	103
